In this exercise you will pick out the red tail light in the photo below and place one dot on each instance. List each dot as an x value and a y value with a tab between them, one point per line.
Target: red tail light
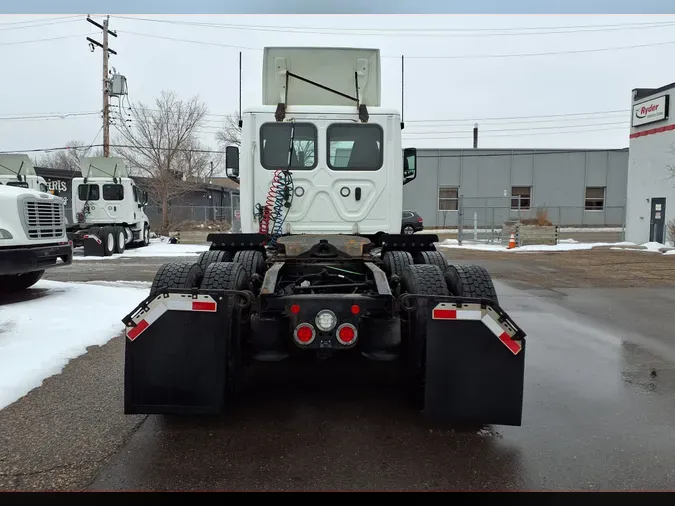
420	220
346	334
295	309
304	333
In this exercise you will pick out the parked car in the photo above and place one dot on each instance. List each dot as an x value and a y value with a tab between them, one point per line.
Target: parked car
412	222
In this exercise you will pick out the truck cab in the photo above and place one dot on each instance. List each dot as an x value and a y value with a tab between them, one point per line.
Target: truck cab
337	158
108	204
32	236
18	171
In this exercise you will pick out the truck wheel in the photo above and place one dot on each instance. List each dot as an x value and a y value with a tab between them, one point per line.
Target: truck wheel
252	260
229	276
120	239
177	275
145	237
431	258
470	281
213	256
107	236
11	283
421	280
395	262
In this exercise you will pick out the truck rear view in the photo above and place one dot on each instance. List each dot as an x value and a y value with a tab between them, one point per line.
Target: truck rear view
322	267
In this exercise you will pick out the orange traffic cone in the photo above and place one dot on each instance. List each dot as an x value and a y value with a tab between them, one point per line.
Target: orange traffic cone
512	242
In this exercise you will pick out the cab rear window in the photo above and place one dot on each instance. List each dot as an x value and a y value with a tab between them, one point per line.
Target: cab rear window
275	139
113	192
355	147
88	192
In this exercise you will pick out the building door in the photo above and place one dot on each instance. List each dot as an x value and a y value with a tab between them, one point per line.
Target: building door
657	223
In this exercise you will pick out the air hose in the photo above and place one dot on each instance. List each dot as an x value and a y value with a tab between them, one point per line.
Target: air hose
278	200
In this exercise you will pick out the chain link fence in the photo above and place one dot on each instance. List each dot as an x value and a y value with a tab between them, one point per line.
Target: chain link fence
492	219
198	217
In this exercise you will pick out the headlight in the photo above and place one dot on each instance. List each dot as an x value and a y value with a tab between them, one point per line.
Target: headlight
5	234
326	320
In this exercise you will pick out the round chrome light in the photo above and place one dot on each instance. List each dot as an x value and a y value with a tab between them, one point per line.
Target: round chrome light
326	320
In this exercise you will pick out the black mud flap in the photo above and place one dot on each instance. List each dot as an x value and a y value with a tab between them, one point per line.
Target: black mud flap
93	246
176	353
475	363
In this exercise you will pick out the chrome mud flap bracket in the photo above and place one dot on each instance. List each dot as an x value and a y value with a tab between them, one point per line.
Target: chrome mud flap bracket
475	363
176	347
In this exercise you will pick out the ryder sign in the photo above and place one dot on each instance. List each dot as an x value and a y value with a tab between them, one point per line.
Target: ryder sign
650	111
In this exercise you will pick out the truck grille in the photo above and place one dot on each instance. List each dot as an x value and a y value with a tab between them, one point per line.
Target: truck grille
43	220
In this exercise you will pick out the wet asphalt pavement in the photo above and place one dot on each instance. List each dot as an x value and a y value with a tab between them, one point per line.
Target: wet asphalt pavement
599	414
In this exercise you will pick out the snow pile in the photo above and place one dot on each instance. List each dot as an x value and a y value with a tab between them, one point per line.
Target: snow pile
563	245
38	337
159	247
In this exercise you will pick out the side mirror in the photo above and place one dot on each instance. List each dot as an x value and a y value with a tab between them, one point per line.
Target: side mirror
232	162
409	164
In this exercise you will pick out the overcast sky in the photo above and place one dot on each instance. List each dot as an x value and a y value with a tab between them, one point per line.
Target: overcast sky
450	83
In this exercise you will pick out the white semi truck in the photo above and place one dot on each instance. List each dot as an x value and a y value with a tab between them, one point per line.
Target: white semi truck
107	208
32	237
321	268
18	171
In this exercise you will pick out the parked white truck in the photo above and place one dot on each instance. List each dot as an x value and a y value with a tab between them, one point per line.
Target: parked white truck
18	170
32	236
108	208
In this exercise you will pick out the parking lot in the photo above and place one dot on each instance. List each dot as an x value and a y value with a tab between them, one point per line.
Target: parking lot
598	411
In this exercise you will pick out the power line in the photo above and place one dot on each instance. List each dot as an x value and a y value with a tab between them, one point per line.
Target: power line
423	57
39	20
45	23
521	152
559	132
48	39
554	127
49	116
461	32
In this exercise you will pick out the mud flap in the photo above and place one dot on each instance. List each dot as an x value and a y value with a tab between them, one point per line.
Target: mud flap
475	364
93	246
176	354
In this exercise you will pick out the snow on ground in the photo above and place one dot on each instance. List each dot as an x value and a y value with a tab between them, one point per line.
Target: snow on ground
469	230
563	245
38	337
159	247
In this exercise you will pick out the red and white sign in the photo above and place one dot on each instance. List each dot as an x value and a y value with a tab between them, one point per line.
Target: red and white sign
650	111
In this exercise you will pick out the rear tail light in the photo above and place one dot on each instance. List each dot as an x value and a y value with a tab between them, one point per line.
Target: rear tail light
304	334
420	220
346	334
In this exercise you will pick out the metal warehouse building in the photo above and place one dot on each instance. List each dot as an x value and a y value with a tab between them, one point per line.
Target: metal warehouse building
488	187
651	167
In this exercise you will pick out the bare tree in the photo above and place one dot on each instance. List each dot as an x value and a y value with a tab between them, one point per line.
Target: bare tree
68	159
161	145
230	135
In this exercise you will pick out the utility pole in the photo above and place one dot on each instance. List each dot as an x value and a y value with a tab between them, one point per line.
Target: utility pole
106	80
475	135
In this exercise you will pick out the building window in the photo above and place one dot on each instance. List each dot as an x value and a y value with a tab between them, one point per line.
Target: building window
595	198
525	194
448	199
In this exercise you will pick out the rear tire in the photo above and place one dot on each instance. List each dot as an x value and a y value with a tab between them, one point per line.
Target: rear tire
470	281
421	280
177	275
120	239
395	262
229	276
253	261
145	238
12	283
107	236
213	256
431	258
408	230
